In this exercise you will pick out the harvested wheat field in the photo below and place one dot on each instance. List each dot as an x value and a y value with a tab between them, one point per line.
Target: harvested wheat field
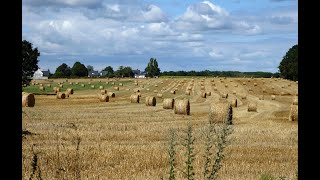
80	137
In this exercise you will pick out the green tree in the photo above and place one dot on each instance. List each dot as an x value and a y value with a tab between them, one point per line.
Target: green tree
152	68
79	70
62	71
90	68
124	72
289	65
110	71
29	61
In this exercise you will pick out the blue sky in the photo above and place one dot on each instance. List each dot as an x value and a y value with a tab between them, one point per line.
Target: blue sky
221	35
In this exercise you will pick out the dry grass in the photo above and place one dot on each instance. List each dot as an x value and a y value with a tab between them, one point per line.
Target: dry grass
123	140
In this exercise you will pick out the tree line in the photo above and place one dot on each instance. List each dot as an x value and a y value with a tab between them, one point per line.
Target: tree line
288	68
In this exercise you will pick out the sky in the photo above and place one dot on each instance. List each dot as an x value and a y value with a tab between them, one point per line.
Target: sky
221	35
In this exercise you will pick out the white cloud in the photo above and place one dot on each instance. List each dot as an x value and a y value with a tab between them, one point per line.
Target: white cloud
154	14
215	54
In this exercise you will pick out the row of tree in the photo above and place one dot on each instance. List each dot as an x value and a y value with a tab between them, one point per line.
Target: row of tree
288	68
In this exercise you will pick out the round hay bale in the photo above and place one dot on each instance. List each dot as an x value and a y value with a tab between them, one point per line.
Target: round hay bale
155	85
61	95
107	82
188	92
295	101
71	83
28	99
244	83
250	89
202	88
99	80
282	86
116	88
293	115
261	97
77	83
208	93
48	85
273	97
168	103
283	93
236	85
220	112
128	89
148	89
248	80
255	84
92	86
111	94
189	88
61	85
226	85
36	83
56	89
224	95
234	92
89	83
134	98
296	82
234	103
159	95
173	92
264	90
103	98
101	87
42	88
203	94
139	94
151	101
252	107
70	90
272	87
289	85
67	93
215	89
182	106
103	91
244	96
83	85
40	84
112	83
155	91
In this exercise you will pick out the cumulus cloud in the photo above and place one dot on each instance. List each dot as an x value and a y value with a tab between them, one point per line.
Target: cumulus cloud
203	35
206	16
154	14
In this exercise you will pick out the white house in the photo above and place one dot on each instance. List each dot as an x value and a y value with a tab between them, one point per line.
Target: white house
41	74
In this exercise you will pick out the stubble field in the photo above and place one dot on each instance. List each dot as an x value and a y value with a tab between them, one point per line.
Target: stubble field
82	138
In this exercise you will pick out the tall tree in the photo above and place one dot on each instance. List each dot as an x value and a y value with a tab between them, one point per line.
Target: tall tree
110	71
79	70
289	65
29	61
62	71
152	68
90	68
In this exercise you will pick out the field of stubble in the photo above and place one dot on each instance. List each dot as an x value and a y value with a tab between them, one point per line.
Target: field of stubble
82	138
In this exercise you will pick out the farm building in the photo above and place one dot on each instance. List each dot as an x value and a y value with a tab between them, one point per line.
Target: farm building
41	74
138	74
93	74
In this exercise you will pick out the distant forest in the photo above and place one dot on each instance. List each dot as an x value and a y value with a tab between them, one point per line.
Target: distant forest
220	74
